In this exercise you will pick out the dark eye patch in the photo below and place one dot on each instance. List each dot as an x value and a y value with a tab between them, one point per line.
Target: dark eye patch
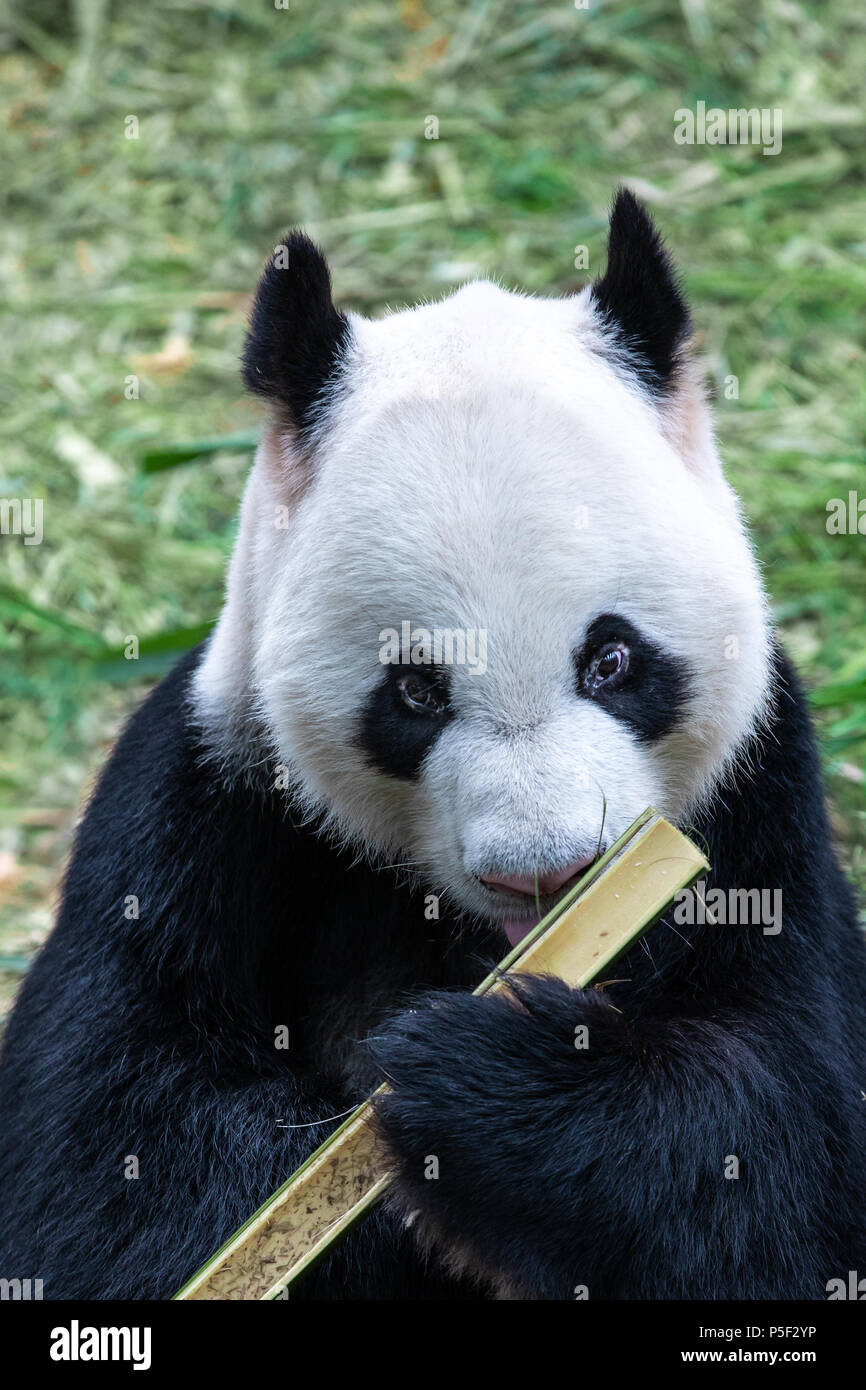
395	737
653	688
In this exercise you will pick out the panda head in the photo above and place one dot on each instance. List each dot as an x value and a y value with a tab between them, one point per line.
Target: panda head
491	595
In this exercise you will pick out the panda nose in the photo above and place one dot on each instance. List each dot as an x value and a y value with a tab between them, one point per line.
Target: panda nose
543	884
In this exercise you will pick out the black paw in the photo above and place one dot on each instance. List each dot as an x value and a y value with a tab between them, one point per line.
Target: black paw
484	1092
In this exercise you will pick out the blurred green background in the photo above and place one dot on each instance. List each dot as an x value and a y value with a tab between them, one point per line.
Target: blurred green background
126	258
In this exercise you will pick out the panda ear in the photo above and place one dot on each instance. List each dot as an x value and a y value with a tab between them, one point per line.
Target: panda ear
639	298
296	337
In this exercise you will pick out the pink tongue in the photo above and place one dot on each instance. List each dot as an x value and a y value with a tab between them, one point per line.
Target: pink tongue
516	931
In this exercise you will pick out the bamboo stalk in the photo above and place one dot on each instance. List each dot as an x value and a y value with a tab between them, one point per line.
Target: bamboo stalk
605	913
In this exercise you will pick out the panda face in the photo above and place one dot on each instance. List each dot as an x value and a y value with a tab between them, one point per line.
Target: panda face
496	603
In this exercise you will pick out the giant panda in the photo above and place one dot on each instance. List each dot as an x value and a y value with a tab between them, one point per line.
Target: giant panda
331	832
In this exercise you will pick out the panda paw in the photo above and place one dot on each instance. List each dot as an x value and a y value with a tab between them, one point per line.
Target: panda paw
484	1096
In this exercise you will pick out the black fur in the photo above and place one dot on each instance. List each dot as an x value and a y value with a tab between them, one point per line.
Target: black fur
296	338
639	297
651	694
558	1167
155	1037
395	738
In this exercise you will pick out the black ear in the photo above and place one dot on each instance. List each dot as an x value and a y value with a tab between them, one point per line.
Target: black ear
296	336
639	297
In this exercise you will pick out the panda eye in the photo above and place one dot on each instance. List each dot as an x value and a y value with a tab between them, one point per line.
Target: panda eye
612	661
422	693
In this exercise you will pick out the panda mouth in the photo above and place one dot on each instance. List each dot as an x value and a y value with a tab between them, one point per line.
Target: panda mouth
517	927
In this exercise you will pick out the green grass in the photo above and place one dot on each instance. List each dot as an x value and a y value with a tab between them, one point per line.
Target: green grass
123	257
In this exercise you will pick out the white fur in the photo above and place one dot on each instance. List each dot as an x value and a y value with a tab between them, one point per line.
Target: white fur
446	488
